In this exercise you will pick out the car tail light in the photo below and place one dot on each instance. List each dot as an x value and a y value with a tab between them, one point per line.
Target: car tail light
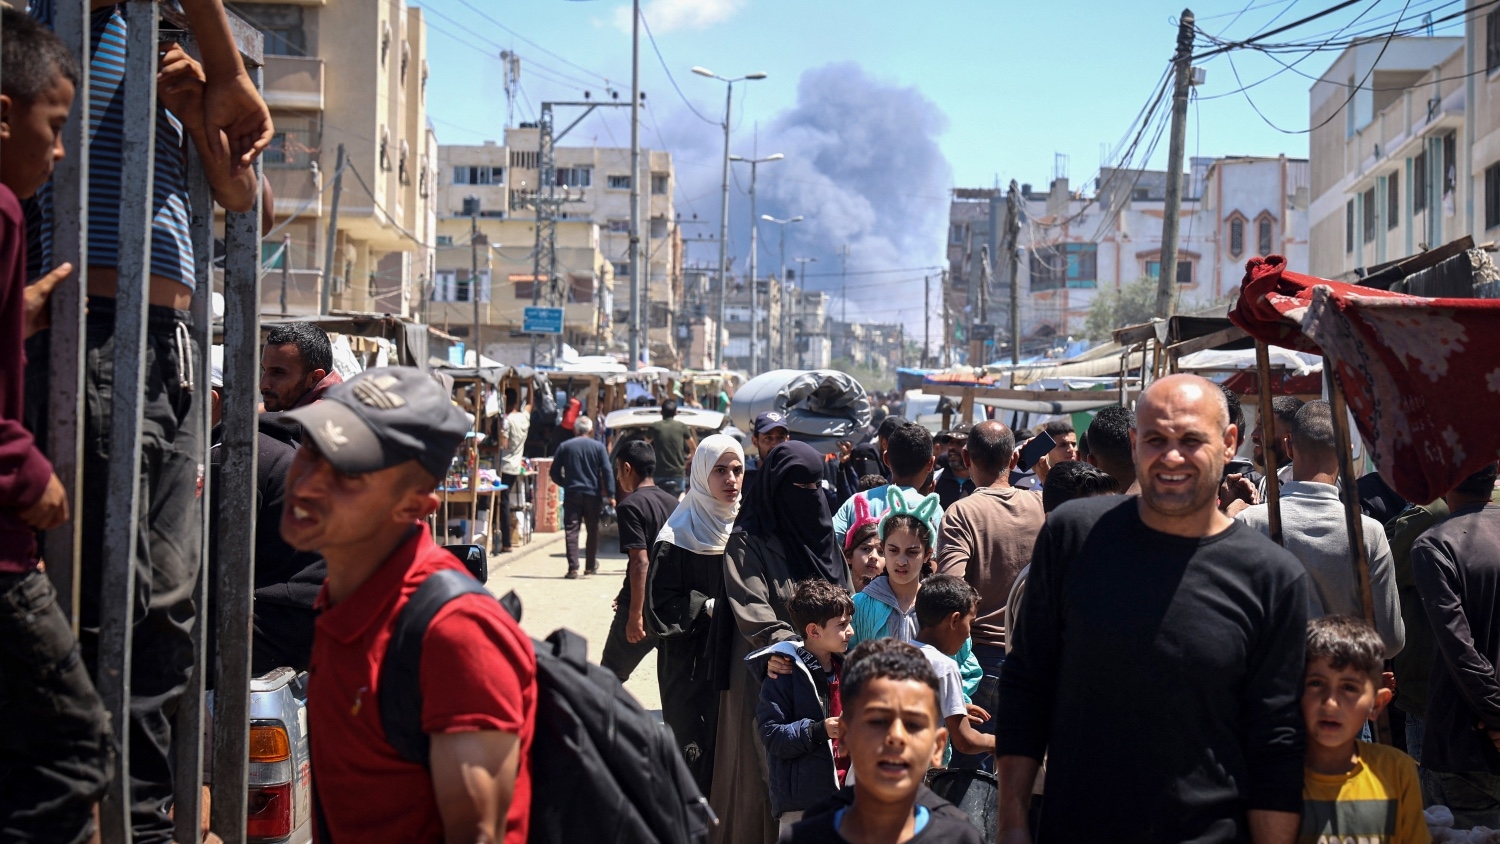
269	805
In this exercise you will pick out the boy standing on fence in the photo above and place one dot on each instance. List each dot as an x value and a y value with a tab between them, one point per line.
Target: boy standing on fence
52	733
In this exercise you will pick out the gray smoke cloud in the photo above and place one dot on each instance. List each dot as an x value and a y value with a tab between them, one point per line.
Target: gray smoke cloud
863	167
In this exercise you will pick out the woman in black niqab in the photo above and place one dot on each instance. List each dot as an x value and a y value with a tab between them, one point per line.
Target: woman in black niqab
789	504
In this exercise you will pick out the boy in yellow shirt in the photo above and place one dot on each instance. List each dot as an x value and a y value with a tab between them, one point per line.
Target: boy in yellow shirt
1352	790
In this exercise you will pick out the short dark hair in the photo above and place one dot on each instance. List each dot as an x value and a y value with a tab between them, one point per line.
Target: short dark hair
815	602
888	426
991	445
640	456
1059	427
1236	412
669	408
1072	479
512	399
311	342
1481	482
869	482
32	57
908	449
1312	428
943	595
1285	408
1344	641
1109	436
885	658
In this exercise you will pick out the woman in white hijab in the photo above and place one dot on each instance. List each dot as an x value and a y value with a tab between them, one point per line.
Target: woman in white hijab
687	570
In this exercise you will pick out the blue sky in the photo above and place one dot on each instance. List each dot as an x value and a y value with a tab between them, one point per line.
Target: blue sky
881	107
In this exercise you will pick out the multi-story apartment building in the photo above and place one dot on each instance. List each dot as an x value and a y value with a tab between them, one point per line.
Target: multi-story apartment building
1071	245
351	75
598	180
1396	160
737	319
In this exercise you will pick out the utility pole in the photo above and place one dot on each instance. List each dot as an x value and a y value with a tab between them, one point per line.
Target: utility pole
599	317
471	205
326	305
947	324
635	191
720	335
1166	283
926	318
1013	262
286	265
755	279
976	343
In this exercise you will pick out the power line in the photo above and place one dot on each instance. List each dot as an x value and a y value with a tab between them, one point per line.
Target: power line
476	10
670	77
1293	25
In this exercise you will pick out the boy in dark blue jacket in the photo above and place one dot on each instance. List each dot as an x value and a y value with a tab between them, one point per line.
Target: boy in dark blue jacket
799	712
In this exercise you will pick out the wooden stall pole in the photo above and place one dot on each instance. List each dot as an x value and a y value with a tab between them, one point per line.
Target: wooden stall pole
1267	431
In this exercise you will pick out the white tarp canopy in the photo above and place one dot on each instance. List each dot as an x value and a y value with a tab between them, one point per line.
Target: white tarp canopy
1238	360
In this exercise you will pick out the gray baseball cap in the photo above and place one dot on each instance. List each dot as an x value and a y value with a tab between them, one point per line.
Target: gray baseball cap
384	417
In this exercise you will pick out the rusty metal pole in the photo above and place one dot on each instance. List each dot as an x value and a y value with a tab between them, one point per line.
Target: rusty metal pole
1267	430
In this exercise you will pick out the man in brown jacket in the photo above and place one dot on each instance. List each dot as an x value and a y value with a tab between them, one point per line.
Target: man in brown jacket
986	539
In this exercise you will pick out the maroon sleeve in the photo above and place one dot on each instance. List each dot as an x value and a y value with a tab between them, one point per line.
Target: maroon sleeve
24	471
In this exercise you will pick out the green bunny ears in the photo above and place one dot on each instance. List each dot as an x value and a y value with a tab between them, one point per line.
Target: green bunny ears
928	511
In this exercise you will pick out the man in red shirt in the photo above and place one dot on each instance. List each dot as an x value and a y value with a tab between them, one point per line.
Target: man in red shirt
358	492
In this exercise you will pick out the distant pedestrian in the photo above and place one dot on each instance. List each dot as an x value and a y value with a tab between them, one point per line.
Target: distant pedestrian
684	581
641	513
1158	656
513	431
1109	445
581	467
674	445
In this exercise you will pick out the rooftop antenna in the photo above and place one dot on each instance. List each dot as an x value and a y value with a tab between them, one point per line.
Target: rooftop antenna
512	70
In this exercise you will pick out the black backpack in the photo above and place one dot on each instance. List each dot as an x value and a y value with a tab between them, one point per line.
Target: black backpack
602	768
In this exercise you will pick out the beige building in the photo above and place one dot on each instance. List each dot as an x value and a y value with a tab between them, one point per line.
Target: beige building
505	176
350	73
1387	160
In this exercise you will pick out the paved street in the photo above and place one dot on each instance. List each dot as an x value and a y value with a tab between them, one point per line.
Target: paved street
535	572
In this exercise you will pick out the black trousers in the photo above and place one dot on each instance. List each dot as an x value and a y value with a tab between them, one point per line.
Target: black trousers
582	509
54	738
511	482
620	656
167	536
690	702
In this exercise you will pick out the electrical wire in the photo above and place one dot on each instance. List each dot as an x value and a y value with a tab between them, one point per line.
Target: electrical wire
476	10
673	79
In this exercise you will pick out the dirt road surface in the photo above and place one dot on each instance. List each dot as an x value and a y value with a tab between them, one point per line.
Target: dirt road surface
535	572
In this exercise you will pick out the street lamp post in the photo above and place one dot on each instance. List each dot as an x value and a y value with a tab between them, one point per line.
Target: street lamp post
801	285
724	209
754	226
782	224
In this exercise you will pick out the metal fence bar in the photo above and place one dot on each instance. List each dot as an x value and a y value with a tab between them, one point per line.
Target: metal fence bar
70	214
236	512
188	727
121	514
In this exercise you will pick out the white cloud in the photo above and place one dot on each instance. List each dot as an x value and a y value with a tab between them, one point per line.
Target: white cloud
669	15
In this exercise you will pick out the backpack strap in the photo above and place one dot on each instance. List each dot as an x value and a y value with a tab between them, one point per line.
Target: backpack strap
401	668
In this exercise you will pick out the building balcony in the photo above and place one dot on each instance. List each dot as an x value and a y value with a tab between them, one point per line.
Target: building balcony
293	82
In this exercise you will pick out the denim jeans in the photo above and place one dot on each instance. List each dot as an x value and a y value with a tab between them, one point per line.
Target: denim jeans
986	697
673	485
54	738
167	536
1416	730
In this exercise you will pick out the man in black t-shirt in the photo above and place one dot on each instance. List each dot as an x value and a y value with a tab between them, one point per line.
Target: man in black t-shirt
641	514
1158	655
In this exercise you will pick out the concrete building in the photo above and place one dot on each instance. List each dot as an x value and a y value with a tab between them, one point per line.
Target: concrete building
737	317
1396	163
353	74
505	176
1072	245
873	345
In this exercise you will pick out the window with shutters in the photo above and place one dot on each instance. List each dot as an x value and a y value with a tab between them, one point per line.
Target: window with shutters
1419	180
1492	40
1265	232
575	177
1236	236
660	184
1492	196
1367	232
1392	200
1064	265
1349	226
617	182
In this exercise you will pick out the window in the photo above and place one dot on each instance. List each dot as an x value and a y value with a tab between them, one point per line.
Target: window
1492	40
1419	183
1492	196
282	26
454	286
1450	163
445	240
574	177
385	149
618	182
276	152
661	183
1237	236
622	269
1184	270
1140	194
272	256
1349	111
956	233
405	59
1264	229
294	144
1064	265
1367	217
466	175
618	226
658	226
1349	226
525	159
403	174
1392	200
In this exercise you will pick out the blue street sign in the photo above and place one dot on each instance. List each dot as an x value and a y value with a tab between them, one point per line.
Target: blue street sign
542	321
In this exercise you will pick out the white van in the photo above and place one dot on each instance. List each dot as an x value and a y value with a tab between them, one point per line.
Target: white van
922	408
